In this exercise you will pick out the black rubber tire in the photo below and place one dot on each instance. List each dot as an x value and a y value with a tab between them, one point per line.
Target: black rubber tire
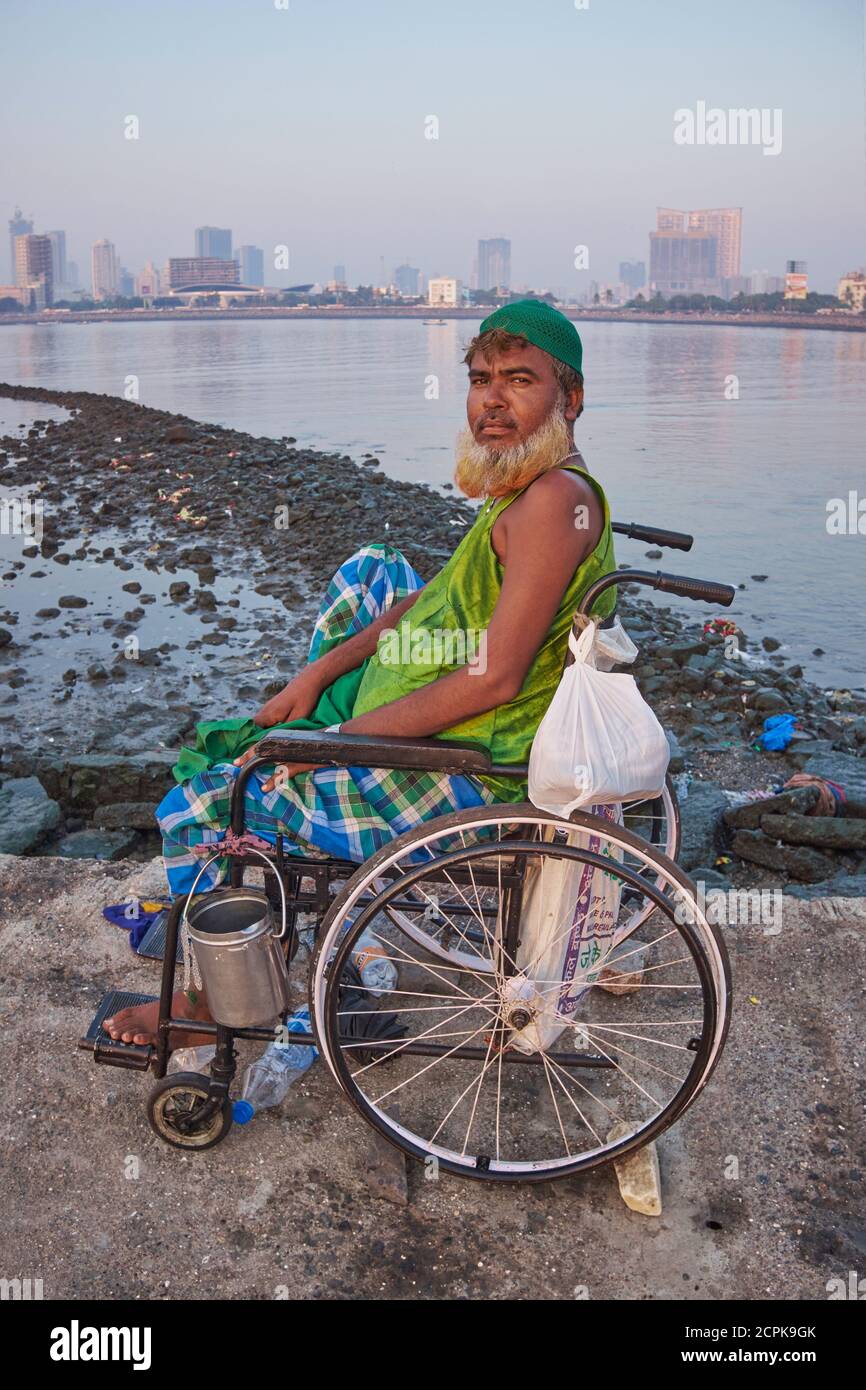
454	820
217	1128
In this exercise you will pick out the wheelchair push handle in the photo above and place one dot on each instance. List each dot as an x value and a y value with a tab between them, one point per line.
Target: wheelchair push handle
704	589
683	585
653	535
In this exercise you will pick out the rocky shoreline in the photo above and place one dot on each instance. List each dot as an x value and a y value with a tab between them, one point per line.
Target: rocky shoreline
177	577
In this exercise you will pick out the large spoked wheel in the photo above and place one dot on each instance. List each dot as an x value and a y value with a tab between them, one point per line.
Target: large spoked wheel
573	1034
654	820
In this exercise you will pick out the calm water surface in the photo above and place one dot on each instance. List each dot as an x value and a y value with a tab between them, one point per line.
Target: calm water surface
751	477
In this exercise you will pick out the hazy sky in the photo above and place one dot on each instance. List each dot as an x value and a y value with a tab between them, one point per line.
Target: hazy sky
306	126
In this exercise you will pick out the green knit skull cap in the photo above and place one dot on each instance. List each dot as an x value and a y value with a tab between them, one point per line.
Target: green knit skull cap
539	323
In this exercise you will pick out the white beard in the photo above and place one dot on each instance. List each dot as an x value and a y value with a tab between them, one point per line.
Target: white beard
484	470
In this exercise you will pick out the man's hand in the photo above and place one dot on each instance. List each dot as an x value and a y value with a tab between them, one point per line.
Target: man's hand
282	773
296	701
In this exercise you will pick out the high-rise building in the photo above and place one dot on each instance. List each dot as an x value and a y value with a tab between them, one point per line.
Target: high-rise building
58	256
633	274
125	283
684	262
202	270
407	278
103	269
340	274
214	241
725	224
444	292
33	267
762	282
251	260
494	263
19	225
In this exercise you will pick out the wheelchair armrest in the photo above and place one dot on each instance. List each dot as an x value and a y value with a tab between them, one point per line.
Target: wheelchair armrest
371	750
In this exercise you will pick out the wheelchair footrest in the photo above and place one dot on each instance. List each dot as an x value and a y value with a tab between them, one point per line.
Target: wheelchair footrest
152	944
133	1056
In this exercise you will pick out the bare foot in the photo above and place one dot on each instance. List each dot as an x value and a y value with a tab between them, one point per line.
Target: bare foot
139	1024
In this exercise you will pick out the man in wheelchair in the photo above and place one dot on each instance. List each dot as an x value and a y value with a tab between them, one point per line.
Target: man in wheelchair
474	654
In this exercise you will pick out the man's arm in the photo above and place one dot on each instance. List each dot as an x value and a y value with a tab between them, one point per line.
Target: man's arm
299	698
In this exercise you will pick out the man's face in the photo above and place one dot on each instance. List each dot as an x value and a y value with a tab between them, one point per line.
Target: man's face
511	396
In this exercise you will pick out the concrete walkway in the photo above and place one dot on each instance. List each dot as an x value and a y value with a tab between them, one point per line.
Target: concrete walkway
97	1207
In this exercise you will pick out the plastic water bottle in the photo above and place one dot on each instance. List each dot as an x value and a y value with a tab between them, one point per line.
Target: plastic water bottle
370	959
192	1058
267	1080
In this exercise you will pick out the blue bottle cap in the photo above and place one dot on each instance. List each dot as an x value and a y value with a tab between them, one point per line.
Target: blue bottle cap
242	1112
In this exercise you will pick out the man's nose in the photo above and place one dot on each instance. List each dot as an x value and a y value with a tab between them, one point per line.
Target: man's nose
494	396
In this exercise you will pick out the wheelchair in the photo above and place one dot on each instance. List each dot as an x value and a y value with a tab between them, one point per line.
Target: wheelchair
472	1062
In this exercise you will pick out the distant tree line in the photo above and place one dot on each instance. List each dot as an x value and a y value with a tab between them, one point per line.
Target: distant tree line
740	304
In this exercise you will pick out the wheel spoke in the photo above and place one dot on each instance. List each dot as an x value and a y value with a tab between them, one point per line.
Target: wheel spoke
499	1073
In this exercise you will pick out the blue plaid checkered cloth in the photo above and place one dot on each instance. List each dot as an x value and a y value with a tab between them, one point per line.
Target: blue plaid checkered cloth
337	812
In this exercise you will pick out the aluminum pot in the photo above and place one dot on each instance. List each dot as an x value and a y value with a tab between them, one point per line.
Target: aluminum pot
242	965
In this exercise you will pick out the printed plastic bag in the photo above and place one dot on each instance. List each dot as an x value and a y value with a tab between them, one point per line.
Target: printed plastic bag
567	924
599	741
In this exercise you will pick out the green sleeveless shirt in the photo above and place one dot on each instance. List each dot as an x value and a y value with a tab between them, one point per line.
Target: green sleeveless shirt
460	600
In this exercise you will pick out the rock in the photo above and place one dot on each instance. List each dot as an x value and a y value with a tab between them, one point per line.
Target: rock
72	601
638	1174
824	832
97	844
27	814
97	672
770	644
845	768
681	651
769	701
179	589
842	886
88	780
125	815
677	761
48	612
710	878
803	749
195	556
5	637
178	434
797	801
801	863
701	814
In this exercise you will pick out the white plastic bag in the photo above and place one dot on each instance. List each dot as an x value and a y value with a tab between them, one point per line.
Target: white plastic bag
599	741
567	923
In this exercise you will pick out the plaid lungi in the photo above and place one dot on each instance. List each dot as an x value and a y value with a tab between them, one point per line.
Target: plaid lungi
341	812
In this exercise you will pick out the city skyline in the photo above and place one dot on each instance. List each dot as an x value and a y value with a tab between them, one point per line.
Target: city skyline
588	158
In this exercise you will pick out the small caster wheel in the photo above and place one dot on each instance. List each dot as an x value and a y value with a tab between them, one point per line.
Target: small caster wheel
179	1113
